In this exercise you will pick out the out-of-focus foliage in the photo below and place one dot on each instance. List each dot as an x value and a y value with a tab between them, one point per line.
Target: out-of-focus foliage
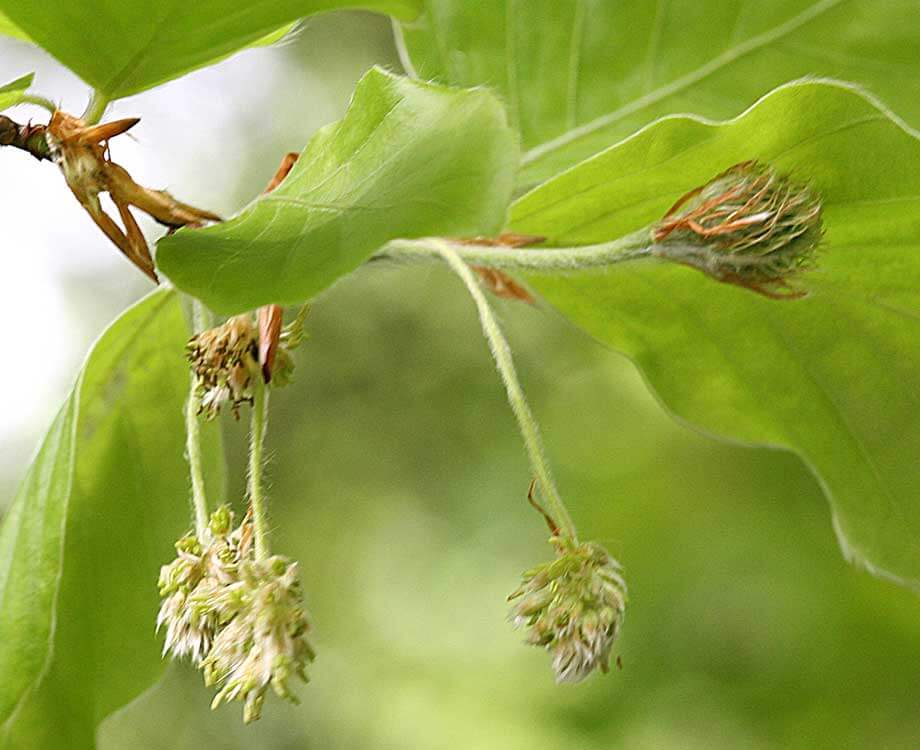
399	481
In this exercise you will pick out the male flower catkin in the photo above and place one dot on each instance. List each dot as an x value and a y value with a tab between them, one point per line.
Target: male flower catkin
225	358
263	640
573	606
241	620
749	226
201	566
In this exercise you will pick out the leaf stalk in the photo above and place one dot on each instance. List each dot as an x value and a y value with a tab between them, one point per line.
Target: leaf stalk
96	108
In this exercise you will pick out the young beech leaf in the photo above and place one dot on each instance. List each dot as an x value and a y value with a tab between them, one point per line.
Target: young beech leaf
409	159
833	375
8	28
578	76
138	44
83	541
12	92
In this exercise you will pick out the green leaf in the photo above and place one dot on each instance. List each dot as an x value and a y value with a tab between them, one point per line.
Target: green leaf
409	159
136	44
8	28
579	75
275	36
835	376
81	545
12	93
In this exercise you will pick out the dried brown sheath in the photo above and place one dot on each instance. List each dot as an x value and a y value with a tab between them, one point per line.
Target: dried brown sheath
271	317
496	281
82	153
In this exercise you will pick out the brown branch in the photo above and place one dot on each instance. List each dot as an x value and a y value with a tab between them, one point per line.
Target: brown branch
29	138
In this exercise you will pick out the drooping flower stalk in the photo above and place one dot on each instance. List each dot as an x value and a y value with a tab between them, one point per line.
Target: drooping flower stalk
201	320
259	421
228	604
573	605
504	363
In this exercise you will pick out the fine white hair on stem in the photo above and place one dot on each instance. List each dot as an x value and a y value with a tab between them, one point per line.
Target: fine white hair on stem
501	352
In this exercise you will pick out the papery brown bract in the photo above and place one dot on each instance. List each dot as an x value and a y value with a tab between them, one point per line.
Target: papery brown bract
82	153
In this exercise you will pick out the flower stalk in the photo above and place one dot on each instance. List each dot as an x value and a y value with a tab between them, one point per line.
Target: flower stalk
229	605
259	422
504	362
200	321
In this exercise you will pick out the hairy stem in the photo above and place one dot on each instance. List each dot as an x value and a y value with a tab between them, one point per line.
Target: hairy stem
551	259
256	447
96	108
39	101
193	451
200	321
505	365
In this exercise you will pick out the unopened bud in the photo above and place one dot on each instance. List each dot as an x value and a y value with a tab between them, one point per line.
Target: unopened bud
749	226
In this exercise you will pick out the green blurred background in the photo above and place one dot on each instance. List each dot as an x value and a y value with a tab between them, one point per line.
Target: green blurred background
399	481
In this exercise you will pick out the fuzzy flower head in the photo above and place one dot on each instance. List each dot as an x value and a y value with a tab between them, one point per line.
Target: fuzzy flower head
241	620
201	565
748	226
263	638
224	360
573	606
187	634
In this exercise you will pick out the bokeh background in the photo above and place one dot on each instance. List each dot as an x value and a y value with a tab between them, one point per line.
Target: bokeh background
399	481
